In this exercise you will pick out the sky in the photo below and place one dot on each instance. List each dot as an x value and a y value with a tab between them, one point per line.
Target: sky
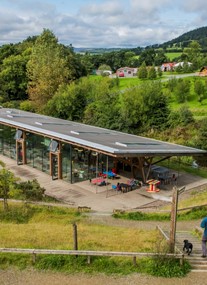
101	23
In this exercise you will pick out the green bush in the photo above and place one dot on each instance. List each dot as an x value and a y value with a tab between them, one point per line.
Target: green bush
31	190
73	264
19	215
20	261
159	266
139	216
167	267
193	214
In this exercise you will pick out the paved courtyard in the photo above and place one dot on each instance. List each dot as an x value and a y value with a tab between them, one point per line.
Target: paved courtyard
100	199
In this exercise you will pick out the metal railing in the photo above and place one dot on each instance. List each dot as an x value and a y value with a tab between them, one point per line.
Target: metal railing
89	253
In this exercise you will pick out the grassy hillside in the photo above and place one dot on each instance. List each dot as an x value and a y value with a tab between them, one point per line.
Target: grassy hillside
172	55
199	35
51	228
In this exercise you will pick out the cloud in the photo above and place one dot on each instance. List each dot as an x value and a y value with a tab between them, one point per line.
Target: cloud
101	23
194	6
106	9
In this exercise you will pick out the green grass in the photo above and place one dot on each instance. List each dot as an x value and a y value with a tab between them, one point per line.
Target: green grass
194	214
198	109
172	55
184	167
129	82
51	228
116	266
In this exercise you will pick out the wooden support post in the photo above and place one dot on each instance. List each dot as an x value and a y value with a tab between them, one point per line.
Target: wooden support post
51	164
24	149
174	209
75	236
33	258
182	260
89	259
59	155
141	166
173	219
134	261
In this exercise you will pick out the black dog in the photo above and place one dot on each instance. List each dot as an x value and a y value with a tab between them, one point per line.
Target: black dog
188	246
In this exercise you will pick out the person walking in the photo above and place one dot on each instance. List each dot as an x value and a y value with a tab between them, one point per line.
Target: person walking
204	237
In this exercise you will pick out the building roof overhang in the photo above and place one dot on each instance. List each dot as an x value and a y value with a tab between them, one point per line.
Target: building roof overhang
102	140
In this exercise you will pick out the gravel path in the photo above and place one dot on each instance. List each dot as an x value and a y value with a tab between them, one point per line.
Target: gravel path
32	277
110	221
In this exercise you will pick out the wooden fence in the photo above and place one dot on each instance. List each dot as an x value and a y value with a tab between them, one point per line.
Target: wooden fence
133	255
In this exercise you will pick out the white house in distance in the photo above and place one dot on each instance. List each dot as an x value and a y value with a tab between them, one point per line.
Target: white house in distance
126	72
182	63
103	72
170	66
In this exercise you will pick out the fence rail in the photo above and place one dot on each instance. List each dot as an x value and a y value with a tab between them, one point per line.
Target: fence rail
89	253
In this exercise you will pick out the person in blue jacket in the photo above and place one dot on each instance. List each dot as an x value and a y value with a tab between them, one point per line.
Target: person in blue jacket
204	237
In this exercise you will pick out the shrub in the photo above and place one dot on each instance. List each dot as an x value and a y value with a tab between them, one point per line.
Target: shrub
18	215
167	267
31	190
195	213
139	216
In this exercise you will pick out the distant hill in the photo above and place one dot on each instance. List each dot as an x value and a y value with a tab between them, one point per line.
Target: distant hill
182	41
176	44
95	50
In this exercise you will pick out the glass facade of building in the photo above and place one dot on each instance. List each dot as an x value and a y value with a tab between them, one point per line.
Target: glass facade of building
58	159
7	141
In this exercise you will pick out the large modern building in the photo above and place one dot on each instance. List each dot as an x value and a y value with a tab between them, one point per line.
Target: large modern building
76	152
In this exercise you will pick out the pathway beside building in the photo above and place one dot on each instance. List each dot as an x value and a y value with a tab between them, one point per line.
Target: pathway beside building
99	199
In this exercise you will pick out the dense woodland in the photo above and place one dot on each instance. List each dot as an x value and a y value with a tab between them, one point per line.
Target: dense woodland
42	75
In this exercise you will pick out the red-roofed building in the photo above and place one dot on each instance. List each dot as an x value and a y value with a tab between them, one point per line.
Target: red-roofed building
168	66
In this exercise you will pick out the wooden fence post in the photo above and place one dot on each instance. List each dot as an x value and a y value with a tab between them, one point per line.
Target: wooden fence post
134	260
33	258
75	237
182	260
89	259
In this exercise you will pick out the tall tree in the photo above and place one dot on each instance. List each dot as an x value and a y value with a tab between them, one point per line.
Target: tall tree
160	58
7	50
200	90
47	69
193	52
70	100
13	77
130	110
142	71
97	111
182	90
154	105
147	56
152	74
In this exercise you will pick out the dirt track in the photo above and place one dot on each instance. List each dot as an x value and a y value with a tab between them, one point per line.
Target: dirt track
31	277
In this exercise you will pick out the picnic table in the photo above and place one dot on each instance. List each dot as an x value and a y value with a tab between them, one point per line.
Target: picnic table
97	181
110	174
153	183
